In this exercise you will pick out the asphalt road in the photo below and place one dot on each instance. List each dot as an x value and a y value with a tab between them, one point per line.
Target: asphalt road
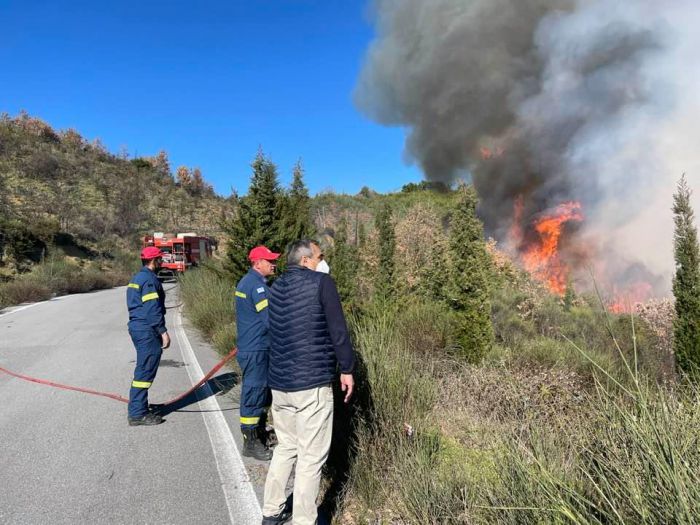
70	457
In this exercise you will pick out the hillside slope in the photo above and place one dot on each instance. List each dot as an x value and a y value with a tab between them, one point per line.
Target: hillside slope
56	186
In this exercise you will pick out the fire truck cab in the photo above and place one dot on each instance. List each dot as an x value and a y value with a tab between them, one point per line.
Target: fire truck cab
181	251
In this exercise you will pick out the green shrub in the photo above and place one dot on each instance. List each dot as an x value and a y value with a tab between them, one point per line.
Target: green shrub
512	323
93	279
23	291
426	327
58	276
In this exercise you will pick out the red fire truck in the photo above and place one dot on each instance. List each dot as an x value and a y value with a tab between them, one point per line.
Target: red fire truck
181	251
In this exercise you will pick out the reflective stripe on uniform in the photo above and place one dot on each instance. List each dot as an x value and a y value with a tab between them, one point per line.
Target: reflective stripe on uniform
134	285
250	420
141	384
261	305
240	294
149	296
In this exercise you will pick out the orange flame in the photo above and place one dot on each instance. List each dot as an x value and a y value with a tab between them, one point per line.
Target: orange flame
541	258
625	300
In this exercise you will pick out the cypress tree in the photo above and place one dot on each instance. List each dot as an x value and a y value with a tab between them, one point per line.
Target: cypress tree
361	237
686	283
384	284
468	289
344	262
256	218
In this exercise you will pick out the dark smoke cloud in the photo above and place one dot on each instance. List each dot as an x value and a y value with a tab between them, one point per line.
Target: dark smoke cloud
538	79
568	96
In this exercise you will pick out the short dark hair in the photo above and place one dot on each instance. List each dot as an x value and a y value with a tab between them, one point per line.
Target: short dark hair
298	249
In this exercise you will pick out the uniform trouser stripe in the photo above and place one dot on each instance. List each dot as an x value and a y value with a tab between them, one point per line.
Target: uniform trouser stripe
148	352
255	395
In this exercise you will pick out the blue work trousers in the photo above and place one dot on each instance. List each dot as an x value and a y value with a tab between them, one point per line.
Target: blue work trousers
148	352
255	394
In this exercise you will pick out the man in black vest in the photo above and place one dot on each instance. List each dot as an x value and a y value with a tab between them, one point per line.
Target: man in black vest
309	340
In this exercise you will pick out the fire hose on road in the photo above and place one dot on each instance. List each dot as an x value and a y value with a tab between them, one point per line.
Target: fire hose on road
117	397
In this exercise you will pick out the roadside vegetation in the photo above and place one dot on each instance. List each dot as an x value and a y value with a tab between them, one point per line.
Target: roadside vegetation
549	410
59	274
208	299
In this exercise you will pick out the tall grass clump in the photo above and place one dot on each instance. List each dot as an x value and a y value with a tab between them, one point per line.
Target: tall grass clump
208	300
404	467
634	458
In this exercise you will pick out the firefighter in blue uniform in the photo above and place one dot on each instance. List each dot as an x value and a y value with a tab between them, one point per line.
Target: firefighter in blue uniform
145	300
253	347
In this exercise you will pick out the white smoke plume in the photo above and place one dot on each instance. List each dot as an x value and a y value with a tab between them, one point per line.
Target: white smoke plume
589	100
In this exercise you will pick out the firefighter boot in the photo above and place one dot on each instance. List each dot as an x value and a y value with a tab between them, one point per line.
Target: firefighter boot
148	419
253	447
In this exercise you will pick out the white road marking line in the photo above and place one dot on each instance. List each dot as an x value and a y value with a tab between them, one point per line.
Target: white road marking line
53	299
21	308
243	506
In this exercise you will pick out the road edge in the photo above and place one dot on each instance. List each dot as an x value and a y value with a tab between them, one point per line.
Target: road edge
239	493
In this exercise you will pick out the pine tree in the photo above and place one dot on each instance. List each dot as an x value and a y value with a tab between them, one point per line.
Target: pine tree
344	264
468	288
256	218
296	212
384	284
686	283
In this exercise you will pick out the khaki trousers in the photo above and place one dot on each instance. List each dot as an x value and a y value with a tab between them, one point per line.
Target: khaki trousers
304	424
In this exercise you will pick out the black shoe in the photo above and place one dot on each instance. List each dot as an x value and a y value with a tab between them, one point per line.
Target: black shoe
253	447
148	419
282	517
156	409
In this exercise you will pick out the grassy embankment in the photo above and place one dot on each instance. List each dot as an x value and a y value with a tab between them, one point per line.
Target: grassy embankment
563	422
60	275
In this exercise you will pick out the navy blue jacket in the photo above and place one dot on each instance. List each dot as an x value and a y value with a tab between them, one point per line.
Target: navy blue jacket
252	320
308	334
145	299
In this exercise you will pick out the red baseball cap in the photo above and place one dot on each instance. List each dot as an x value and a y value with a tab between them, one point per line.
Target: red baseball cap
150	252
262	252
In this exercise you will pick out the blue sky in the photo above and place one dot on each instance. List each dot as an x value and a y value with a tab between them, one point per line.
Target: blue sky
208	82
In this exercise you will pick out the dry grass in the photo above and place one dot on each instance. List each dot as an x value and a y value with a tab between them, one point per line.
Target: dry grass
60	276
209	304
